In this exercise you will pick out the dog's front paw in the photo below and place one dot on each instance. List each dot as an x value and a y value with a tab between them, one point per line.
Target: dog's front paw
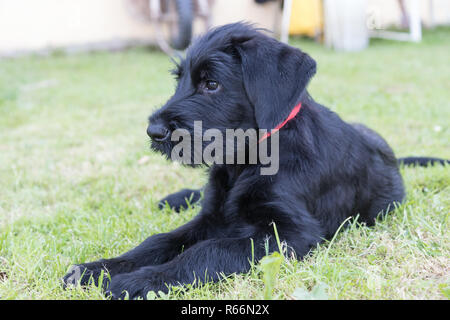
133	286
180	200
85	274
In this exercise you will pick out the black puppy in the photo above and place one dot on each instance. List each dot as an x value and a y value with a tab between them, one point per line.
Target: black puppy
238	78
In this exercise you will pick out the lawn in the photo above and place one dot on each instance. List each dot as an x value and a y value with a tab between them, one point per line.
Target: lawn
78	181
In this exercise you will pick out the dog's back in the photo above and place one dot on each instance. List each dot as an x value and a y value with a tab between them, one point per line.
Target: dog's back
341	169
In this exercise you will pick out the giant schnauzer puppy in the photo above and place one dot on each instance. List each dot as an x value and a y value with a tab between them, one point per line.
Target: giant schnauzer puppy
236	77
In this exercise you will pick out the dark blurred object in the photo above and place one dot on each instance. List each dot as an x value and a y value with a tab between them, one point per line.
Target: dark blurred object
173	20
184	10
263	1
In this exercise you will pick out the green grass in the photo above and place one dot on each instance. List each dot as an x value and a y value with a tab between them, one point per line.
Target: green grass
78	181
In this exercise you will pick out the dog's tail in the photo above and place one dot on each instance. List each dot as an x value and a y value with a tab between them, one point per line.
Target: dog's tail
422	161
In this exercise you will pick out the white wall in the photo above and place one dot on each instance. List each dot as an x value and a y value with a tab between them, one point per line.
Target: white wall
37	24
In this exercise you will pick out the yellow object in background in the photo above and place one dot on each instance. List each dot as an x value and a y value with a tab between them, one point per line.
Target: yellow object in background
306	18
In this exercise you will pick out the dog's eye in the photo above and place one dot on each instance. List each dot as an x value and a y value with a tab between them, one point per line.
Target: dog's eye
211	85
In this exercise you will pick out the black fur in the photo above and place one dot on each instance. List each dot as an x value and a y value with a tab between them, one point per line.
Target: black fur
329	170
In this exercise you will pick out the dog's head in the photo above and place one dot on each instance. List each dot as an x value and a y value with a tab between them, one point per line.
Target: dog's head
233	77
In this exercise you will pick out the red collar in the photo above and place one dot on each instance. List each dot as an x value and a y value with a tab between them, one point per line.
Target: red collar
278	127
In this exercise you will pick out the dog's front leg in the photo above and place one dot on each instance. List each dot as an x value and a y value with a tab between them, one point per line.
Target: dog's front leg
202	262
156	249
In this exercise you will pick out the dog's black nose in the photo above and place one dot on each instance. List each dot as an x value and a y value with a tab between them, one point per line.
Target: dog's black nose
158	132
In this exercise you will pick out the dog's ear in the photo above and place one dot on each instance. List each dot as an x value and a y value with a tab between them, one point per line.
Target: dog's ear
275	76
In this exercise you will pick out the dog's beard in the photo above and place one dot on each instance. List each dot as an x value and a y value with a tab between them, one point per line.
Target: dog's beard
197	153
166	148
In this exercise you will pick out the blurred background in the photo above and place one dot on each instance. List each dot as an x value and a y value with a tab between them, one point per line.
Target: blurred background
85	25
